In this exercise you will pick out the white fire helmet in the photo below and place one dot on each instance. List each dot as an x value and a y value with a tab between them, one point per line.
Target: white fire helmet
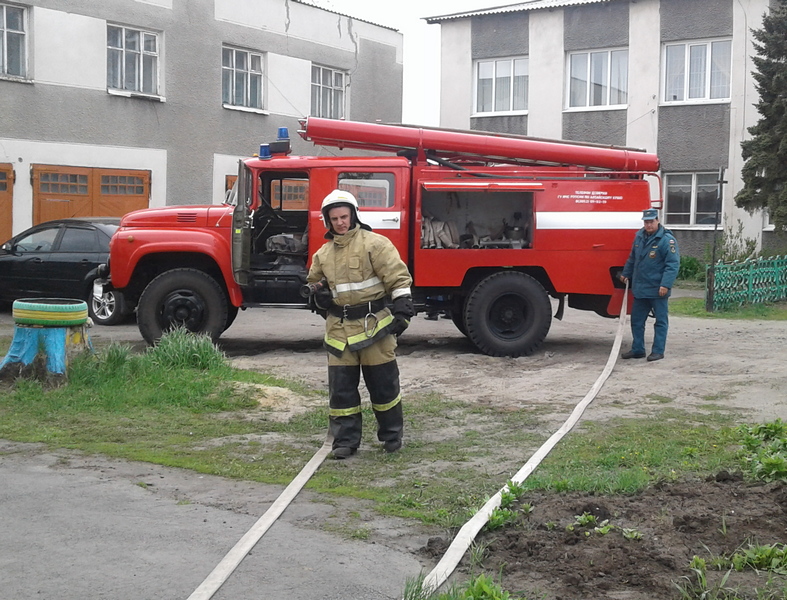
339	198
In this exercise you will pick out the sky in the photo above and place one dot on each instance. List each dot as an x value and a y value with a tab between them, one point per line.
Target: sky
421	101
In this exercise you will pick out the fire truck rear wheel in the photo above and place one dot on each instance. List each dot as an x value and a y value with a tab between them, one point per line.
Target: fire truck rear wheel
458	313
508	314
182	298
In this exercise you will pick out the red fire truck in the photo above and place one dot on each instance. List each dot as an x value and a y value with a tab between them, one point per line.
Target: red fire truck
490	225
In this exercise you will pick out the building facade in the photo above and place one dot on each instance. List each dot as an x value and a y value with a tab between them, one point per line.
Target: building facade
669	76
110	106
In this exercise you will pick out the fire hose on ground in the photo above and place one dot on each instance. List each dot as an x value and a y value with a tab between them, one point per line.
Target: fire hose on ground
466	535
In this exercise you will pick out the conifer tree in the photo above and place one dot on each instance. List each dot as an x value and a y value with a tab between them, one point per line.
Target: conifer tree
765	170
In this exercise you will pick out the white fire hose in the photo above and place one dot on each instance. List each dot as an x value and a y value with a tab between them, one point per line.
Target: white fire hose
466	534
469	530
234	557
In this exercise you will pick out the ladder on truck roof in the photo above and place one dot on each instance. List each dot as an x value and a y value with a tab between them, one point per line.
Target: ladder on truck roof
498	147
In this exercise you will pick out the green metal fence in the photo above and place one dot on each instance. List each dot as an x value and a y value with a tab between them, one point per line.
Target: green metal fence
752	281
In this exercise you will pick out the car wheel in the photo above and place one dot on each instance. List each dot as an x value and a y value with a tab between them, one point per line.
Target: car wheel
49	312
182	298
508	314
110	309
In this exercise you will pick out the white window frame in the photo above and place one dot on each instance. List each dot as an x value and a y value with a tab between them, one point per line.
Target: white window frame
693	72
5	34
598	92
322	93
503	99
248	73
708	180
145	61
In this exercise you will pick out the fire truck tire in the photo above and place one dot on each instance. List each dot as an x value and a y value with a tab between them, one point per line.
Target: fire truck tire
458	313
232	312
508	314
182	298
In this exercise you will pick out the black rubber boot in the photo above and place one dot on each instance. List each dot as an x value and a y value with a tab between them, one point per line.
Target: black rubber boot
382	381
345	406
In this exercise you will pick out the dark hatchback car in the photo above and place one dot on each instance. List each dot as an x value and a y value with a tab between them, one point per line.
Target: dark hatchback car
58	259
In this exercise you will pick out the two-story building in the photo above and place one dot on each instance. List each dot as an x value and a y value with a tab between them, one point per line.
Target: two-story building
670	76
110	106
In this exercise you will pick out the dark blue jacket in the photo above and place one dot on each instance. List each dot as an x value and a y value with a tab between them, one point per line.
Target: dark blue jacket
653	263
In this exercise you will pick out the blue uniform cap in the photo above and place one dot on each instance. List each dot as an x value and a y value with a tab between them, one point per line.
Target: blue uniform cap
650	214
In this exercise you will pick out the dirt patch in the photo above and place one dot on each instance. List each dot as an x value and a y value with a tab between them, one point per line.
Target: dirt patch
546	555
279	404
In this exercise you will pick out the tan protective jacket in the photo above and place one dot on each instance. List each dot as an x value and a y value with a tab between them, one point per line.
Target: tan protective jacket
360	266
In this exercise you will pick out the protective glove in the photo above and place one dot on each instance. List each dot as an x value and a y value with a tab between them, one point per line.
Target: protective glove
403	305
403	309
323	298
400	323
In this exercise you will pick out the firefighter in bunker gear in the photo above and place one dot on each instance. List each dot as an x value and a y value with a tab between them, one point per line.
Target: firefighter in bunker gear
361	268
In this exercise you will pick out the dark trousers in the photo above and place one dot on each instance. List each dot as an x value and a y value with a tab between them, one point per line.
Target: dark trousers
382	381
639	315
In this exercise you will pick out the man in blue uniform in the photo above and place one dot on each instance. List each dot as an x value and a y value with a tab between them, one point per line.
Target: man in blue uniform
651	268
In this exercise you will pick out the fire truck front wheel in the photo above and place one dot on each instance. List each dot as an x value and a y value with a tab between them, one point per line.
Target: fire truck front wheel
182	298
508	314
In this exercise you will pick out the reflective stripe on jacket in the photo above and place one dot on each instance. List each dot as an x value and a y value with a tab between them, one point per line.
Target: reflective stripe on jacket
360	266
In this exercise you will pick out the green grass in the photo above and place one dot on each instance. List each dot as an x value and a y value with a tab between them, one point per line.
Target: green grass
626	455
695	307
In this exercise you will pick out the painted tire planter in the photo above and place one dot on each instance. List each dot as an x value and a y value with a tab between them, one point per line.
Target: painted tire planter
49	312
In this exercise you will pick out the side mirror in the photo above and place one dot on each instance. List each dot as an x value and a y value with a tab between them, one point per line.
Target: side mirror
7	247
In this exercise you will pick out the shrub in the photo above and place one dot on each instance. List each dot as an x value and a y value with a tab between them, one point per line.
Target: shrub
691	269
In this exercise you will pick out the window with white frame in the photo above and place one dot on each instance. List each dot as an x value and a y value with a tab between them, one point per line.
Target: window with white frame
690	198
13	54
241	78
328	87
132	60
501	85
697	71
598	78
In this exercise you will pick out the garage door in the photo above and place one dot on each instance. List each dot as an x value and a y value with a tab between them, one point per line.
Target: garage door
6	203
60	192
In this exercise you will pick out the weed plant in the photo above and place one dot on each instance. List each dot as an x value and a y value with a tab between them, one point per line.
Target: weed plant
764	450
478	587
702	586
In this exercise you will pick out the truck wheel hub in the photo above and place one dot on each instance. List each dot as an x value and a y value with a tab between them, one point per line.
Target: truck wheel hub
507	316
182	308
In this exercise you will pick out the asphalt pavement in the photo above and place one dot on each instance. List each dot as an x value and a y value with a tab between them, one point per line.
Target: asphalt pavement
78	527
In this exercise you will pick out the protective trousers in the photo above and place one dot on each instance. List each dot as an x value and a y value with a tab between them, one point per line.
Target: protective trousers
382	382
639	315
